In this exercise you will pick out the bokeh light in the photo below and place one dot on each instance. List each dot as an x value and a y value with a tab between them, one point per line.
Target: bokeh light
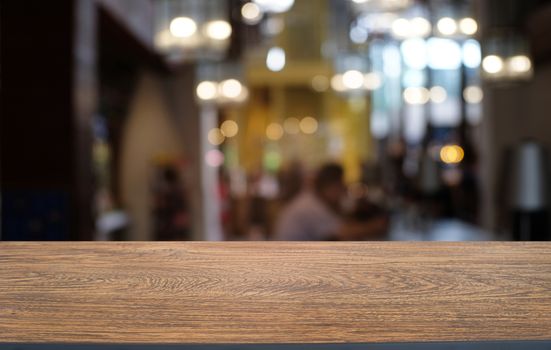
468	26
320	83
215	136
291	125
308	125
229	128
231	88
416	95
218	30
353	79
438	94
473	94
492	64
214	158
275	59
519	64
207	90
446	26
182	27
252	14
274	131
451	154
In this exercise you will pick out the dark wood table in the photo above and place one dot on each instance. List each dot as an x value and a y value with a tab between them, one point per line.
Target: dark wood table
274	292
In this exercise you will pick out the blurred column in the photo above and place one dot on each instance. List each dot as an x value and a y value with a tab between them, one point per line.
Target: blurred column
209	161
202	179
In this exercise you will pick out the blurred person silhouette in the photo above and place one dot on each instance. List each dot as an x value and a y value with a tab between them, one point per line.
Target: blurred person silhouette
316	213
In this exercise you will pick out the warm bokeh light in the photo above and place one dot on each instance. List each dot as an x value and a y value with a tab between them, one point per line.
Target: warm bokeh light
372	81
353	79
218	30
473	94
291	125
275	59
207	90
519	64
438	94
215	136
229	128
182	27
231	88
320	83
451	154
251	13
492	64
308	125
274	131
468	26
416	95
446	26
337	83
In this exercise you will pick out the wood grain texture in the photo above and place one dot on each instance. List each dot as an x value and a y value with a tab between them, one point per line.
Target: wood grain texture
274	292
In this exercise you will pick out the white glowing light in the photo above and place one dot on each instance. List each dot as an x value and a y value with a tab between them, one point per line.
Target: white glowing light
468	26
392	61
492	64
231	88
519	64
218	30
401	28
353	79
275	60
414	52
416	95
438	94
443	53
277	6
207	90
372	81
471	54
251	13
473	94
182	27
446	26
229	128
420	26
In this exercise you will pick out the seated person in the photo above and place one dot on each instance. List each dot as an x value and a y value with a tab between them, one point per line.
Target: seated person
316	214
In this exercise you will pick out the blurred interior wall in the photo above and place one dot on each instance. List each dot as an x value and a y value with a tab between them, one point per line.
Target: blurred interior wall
150	132
514	113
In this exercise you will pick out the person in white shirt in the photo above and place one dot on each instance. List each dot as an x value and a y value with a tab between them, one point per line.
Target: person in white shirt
314	214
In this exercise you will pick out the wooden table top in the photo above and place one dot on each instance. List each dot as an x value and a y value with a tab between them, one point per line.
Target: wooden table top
274	292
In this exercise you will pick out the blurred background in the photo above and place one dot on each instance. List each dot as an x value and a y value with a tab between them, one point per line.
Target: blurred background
275	119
